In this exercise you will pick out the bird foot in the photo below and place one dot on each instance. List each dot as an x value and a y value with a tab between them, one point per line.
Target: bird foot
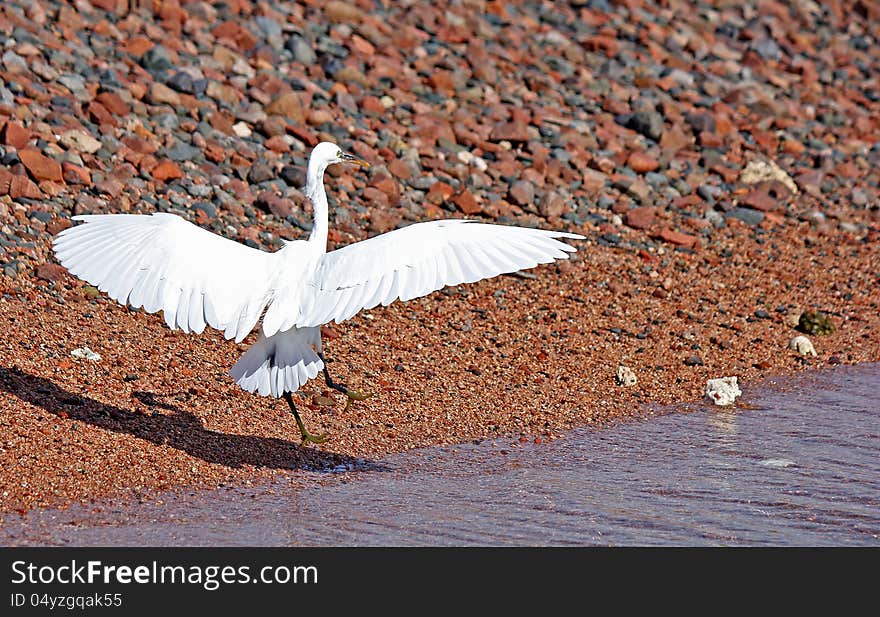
355	395
352	395
316	439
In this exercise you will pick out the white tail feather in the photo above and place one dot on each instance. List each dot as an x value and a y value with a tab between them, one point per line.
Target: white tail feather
280	363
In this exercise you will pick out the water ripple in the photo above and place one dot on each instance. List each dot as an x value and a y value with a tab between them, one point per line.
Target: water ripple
800	466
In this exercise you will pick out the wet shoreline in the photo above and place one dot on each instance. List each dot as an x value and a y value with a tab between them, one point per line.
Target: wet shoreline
795	464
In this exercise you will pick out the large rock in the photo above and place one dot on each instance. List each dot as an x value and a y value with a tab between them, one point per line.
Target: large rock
510	131
288	105
167	170
641	217
41	167
522	193
79	141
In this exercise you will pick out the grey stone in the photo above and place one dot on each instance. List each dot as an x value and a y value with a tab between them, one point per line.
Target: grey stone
709	192
199	190
75	83
208	208
182	152
747	216
156	60
700	122
41	216
293	176
182	82
648	123
260	172
656	179
859	197
766	48
605	202
301	49
268	26
715	218
13	61
167	121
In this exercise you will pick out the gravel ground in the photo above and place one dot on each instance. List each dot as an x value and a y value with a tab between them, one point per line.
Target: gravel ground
721	158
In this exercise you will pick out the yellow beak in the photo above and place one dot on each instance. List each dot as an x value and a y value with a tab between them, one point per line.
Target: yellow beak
350	158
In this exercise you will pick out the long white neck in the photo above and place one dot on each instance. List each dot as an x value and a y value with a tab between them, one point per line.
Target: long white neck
315	192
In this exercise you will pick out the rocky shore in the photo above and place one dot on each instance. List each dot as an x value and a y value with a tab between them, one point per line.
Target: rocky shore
721	158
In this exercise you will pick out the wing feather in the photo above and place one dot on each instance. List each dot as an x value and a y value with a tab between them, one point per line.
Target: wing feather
414	261
162	262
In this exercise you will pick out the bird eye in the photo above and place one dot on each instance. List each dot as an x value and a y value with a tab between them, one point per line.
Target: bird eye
339	154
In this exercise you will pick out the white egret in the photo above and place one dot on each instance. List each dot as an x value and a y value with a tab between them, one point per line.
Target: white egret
161	262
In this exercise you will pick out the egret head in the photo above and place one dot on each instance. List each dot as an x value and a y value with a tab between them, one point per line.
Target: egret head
326	153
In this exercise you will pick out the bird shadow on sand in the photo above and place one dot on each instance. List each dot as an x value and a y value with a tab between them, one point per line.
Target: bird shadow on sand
173	427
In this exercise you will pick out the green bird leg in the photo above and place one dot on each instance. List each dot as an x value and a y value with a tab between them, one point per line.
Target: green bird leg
306	436
353	395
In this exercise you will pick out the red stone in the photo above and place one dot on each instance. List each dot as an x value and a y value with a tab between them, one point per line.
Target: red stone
641	217
400	169
467	203
372	105
687	201
56	226
810	182
111	187
41	167
277	144
729	174
522	192
138	46
107	5
510	131
288	105
442	82
226	30
384	219
113	103
642	162
553	205
214	152
304	135
594	181
439	192
167	170
18	186
388	186
15	135
675	139
600	42
760	200
99	114
676	237
361	45
74	174
141	145
710	140
51	272
376	198
278	206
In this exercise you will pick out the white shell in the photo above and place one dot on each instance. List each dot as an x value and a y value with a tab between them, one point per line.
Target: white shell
802	345
723	391
625	376
86	354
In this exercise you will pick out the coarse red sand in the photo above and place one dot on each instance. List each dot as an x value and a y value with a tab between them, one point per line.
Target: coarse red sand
638	124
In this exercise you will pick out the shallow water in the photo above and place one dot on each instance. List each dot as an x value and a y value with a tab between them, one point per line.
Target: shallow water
799	466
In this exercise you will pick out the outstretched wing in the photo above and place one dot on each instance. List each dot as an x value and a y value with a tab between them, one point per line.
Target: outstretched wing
414	261
162	262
